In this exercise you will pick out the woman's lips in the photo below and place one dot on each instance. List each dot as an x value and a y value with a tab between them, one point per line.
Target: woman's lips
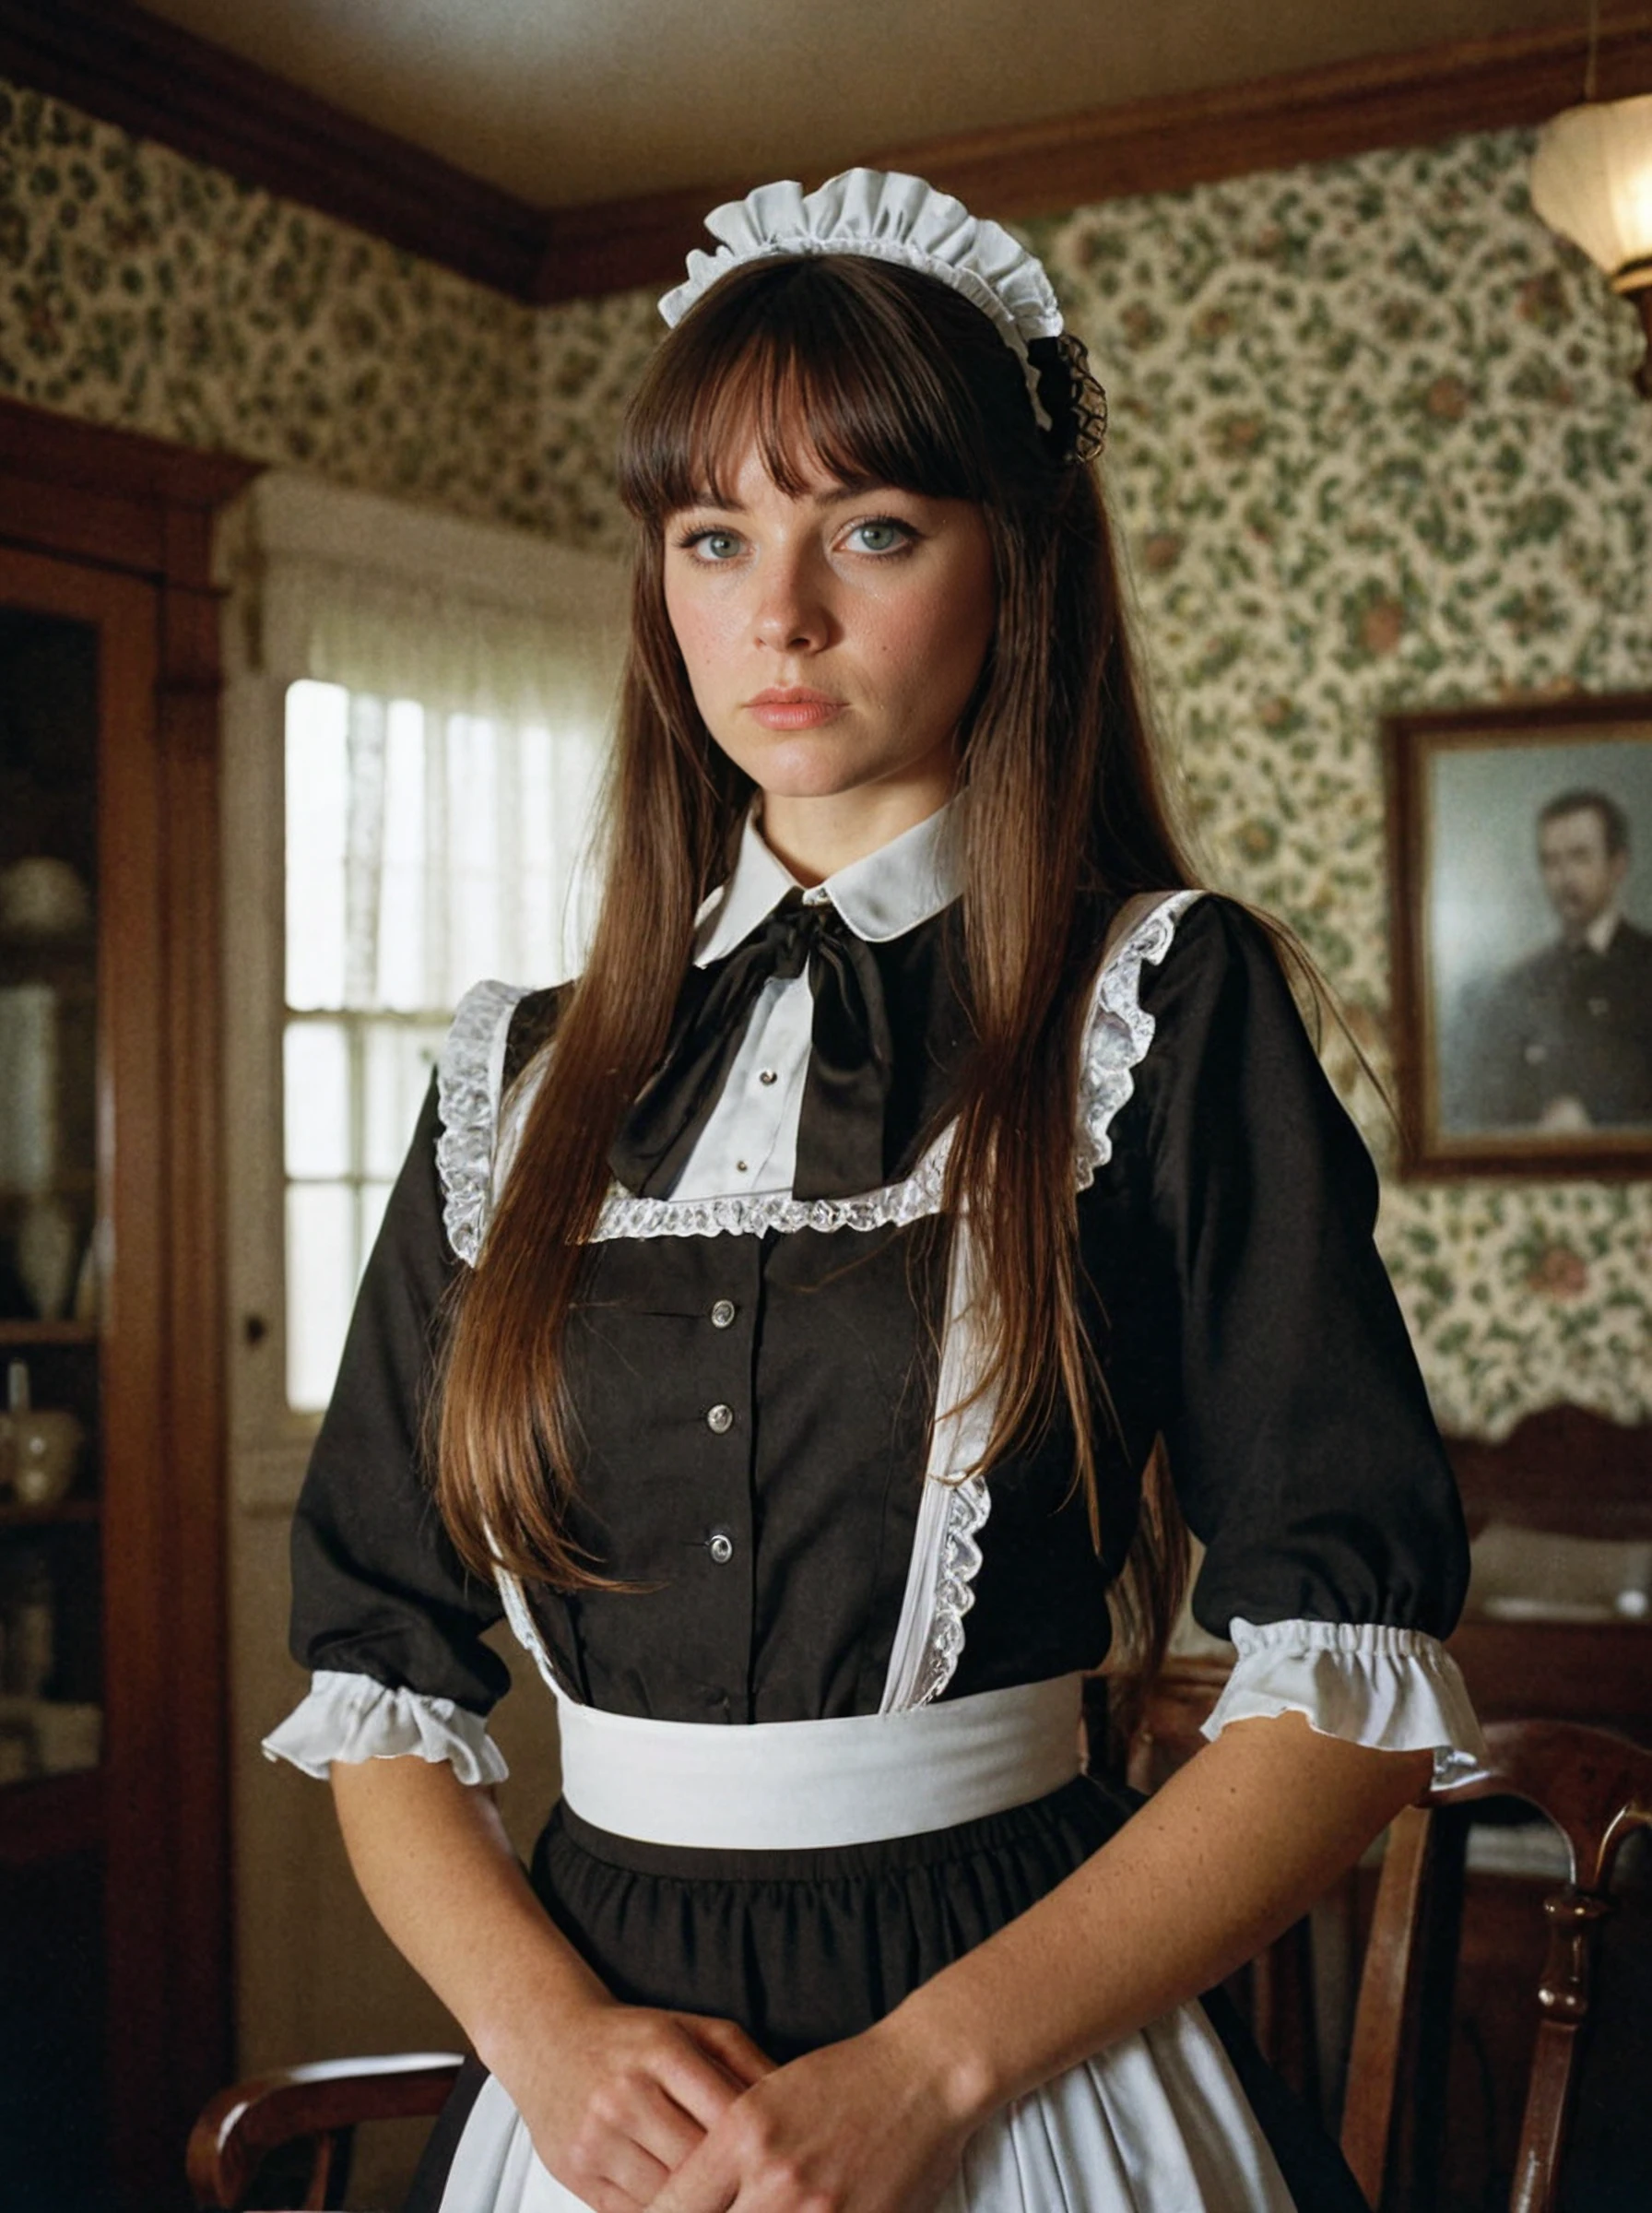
795	709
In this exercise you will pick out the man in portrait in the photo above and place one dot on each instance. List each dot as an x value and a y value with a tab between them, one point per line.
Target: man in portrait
1563	1040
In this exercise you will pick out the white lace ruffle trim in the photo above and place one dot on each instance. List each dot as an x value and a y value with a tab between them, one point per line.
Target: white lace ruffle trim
968	1504
1116	1037
919	1194
468	1087
468	1079
1120	1030
350	1717
1397	1690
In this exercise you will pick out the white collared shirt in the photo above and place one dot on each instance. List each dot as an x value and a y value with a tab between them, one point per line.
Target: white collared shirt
1602	930
751	1142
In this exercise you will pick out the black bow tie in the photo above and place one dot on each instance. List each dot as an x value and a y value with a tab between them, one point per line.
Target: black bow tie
844	1144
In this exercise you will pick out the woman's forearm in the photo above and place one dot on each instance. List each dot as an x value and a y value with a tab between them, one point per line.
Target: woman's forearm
615	2097
434	1863
1231	1850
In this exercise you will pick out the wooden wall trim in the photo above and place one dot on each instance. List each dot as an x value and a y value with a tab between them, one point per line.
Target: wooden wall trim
159	81
1162	145
133	69
143	504
1310	115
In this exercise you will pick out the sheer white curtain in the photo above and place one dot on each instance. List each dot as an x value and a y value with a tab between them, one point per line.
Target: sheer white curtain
444	695
426	849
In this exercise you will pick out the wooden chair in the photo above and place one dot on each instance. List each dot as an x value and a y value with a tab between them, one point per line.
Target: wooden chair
1595	1788
319	2106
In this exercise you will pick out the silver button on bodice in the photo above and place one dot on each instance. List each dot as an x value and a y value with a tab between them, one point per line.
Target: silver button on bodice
719	1420
723	1313
767	1075
720	1544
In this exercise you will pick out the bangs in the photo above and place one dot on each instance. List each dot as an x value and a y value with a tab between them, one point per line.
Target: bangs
839	365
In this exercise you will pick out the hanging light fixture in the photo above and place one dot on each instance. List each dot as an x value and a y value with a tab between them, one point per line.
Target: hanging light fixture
1591	180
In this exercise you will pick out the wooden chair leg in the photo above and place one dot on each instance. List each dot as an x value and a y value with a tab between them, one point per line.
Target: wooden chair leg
1563	2004
1405	2007
1284	2015
330	2169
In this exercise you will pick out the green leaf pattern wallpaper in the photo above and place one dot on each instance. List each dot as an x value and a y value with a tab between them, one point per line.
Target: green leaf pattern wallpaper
1373	447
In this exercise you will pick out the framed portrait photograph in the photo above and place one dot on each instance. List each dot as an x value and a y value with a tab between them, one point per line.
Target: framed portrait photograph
1520	843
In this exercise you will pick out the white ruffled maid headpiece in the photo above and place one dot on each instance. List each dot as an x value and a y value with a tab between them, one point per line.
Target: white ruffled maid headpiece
888	217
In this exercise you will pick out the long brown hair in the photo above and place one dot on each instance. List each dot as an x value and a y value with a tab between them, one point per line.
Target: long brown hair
876	374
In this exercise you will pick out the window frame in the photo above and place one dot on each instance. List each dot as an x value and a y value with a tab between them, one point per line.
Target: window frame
289	521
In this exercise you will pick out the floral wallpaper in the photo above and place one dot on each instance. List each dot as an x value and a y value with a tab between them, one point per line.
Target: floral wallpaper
1375	447
1372	446
140	289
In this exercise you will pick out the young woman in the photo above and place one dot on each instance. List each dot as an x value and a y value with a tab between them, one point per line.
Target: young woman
784	1316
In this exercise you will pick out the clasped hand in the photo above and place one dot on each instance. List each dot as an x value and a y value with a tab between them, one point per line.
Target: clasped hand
681	2114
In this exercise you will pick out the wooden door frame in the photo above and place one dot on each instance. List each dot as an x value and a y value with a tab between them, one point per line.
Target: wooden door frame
117	529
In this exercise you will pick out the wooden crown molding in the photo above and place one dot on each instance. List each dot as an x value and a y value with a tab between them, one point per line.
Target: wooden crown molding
97	457
159	81
130	68
1166	145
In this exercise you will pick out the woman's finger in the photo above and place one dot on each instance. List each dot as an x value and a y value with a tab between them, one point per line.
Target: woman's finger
607	2198
636	2174
728	2042
706	2183
663	2127
634	2131
701	2084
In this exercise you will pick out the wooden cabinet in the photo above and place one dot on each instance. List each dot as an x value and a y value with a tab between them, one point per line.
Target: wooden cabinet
114	2005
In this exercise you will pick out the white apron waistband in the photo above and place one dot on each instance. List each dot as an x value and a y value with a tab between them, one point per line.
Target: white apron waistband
800	1786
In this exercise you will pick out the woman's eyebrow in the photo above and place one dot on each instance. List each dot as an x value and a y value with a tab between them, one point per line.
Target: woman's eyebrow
850	487
836	496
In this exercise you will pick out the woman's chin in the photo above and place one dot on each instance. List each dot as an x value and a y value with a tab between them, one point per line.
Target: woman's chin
803	787
793	768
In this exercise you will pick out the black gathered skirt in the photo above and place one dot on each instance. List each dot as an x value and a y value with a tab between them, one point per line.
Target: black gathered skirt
803	1948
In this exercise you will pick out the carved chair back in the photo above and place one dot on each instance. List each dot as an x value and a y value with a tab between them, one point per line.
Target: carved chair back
1596	1788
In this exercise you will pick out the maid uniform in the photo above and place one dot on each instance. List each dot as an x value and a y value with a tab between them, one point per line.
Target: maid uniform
828	1740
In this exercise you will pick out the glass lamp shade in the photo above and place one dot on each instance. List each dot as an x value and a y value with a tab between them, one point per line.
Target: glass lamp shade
1591	180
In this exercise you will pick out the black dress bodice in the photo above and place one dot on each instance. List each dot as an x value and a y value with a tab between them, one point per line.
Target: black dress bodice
756	1407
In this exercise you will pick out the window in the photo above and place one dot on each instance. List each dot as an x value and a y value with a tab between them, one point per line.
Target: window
424	851
417	714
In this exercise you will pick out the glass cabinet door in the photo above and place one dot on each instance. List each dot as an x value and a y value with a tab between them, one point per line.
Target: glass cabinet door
52	1871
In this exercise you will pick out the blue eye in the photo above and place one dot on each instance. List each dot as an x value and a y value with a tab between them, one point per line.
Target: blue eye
881	535
713	546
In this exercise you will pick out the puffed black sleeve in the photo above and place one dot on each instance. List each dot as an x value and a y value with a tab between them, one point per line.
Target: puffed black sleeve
1303	1451
1301	1443
379	1595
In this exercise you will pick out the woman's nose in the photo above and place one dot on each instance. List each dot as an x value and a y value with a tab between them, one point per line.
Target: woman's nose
790	614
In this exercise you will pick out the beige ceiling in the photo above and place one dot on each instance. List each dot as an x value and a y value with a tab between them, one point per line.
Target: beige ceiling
563	102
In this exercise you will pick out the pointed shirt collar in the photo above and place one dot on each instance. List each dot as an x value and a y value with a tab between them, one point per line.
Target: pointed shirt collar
881	896
1602	930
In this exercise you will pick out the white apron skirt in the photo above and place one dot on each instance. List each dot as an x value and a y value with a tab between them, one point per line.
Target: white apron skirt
1157	2123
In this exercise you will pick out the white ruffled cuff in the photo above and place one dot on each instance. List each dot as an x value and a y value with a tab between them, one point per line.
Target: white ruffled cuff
352	1717
1397	1690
